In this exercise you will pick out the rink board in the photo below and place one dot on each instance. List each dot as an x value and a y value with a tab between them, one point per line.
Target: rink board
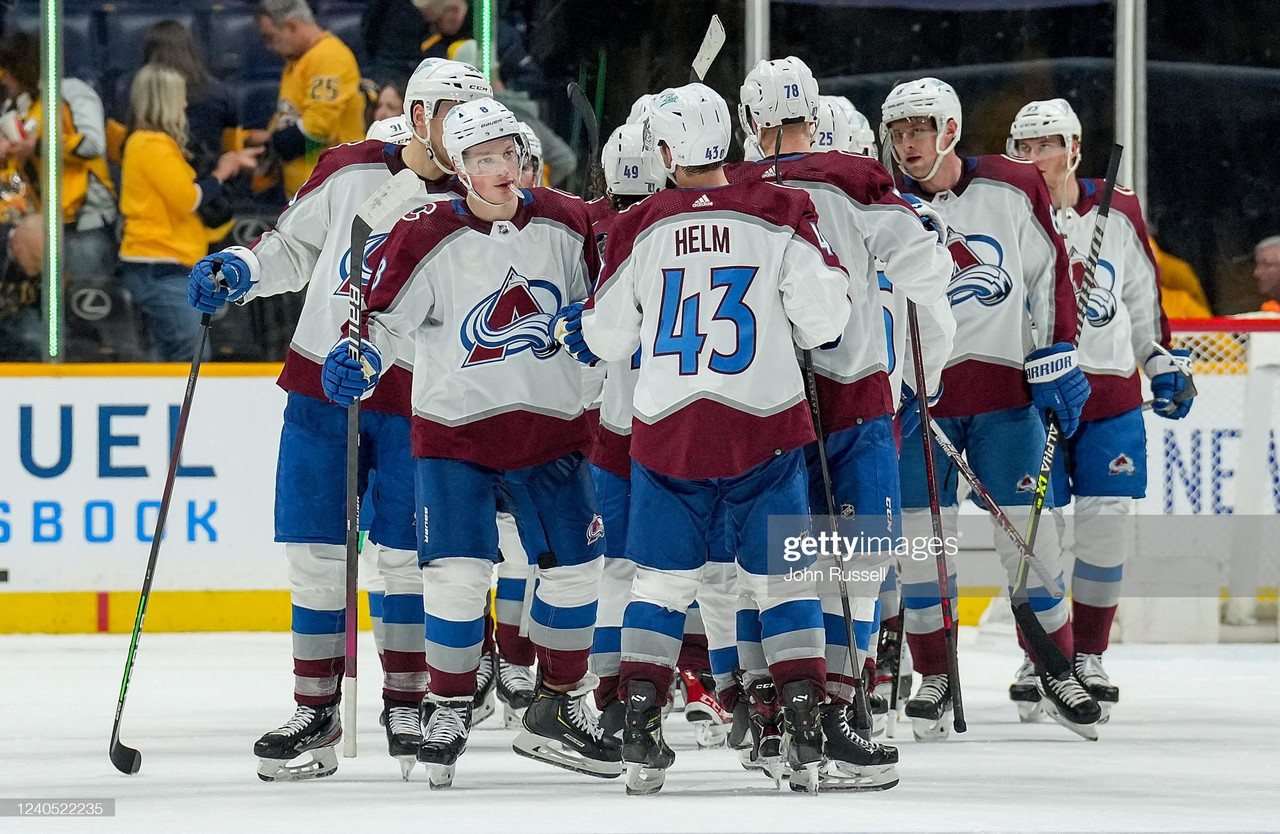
84	471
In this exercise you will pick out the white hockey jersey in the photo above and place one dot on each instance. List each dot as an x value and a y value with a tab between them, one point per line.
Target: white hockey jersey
610	447
475	299
1124	314
716	287
311	245
866	221
1011	291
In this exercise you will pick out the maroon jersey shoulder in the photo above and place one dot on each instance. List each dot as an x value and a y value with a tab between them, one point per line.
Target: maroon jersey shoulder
862	178
1016	172
1123	201
599	210
333	160
562	207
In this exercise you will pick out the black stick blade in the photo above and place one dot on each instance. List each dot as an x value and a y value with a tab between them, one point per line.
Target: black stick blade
125	758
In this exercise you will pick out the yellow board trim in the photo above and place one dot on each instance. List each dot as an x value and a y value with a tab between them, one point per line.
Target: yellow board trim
138	369
78	612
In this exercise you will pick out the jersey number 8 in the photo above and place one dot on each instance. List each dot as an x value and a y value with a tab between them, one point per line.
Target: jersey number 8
685	314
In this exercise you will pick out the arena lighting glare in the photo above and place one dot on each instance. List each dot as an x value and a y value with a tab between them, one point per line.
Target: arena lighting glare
486	39
52	191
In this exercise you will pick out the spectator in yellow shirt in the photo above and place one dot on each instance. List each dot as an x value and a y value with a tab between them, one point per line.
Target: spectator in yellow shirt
88	199
1181	295
320	101
159	197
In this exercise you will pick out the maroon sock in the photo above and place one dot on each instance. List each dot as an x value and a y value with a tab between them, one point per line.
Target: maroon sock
1091	627
513	648
928	652
693	653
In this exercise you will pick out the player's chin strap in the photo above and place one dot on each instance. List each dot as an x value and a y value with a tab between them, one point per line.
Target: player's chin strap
471	192
441	162
937	146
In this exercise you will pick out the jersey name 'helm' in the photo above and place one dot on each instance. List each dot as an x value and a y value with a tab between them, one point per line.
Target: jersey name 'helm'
693	122
862	137
1046	118
436	80
629	168
926	97
393	129
777	93
474	123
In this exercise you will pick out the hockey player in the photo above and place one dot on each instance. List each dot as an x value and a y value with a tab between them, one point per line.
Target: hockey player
712	283
497	422
1104	465
309	246
862	138
1010	263
868	225
531	175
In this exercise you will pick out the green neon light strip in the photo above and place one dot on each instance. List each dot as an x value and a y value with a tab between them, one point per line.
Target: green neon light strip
52	142
486	39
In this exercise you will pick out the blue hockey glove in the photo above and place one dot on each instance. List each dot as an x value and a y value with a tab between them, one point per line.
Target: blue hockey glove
909	411
207	292
566	328
1172	390
1057	384
344	379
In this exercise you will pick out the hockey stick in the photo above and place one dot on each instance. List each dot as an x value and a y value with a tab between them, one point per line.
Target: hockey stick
582	106
712	41
895	666
949	625
378	210
126	759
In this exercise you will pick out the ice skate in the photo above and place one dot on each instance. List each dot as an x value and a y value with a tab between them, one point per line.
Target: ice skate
1067	702
404	733
516	687
703	710
559	730
645	753
1024	694
1093	678
765	714
314	730
802	741
930	709
482	705
740	729
447	723
853	762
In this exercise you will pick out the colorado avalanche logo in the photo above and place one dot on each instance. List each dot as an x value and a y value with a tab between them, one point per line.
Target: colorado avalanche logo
512	319
1122	465
980	272
595	530
1102	299
344	266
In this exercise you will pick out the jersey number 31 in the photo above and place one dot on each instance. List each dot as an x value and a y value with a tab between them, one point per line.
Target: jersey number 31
684	314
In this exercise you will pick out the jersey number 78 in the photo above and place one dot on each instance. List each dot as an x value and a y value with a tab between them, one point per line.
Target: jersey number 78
683	314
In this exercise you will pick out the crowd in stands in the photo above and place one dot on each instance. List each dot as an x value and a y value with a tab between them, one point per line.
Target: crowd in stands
201	142
214	115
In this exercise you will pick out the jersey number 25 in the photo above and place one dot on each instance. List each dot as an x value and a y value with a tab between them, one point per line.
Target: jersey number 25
684	314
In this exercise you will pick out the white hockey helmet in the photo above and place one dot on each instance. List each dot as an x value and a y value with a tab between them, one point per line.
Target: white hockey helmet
629	167
833	132
532	143
640	109
862	137
474	123
1053	117
393	129
777	92
927	97
436	80
693	122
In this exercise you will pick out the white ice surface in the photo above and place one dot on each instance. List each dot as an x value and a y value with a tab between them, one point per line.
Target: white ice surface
1193	746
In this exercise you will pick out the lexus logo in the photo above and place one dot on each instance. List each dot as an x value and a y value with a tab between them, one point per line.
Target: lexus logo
90	303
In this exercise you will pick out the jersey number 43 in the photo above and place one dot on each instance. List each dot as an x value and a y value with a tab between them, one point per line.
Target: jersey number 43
680	327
